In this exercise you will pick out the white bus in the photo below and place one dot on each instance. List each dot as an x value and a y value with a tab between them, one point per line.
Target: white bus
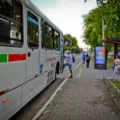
31	54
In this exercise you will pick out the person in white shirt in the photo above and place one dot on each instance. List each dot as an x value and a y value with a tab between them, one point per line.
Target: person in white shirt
117	66
69	62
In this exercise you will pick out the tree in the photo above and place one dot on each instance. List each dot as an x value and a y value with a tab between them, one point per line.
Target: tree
70	41
110	12
77	50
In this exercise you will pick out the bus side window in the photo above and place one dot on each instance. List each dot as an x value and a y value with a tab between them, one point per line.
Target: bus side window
56	40
48	36
33	31
11	23
42	34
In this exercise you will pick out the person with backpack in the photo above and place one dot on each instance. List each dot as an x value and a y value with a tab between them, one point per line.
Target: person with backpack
87	60
69	62
83	58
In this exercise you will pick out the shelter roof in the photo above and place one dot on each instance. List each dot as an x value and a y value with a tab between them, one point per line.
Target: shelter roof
114	40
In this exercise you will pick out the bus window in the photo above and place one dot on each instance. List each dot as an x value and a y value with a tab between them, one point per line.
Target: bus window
42	34
48	37
56	39
15	34
11	23
33	31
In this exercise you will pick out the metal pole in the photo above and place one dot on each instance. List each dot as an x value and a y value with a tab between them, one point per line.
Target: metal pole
103	35
103	29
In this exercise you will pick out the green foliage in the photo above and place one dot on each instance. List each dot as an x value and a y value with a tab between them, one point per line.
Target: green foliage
77	50
71	43
110	13
109	62
116	83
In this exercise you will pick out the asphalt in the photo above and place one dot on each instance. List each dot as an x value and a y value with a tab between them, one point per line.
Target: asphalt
84	97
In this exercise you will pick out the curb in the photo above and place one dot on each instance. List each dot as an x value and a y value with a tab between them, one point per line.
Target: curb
113	90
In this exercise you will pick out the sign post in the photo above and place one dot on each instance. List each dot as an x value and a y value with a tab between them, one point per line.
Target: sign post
100	58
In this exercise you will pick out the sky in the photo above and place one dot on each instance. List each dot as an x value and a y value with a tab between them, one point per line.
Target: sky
66	15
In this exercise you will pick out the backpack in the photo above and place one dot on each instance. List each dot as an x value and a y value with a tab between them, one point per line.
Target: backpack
88	58
73	59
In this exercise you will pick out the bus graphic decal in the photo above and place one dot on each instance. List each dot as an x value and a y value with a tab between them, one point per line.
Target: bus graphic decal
12	57
50	59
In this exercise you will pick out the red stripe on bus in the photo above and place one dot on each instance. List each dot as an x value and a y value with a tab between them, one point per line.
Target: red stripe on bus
1	93
16	57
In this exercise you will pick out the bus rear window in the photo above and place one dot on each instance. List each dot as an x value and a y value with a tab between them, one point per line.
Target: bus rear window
11	23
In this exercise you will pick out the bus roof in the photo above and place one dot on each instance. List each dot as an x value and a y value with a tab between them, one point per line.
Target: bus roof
39	13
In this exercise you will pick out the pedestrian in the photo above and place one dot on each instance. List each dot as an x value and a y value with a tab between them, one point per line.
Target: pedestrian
83	58
69	62
117	69
87	60
116	61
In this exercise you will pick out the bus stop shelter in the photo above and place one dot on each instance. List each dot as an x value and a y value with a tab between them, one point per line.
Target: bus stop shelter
115	42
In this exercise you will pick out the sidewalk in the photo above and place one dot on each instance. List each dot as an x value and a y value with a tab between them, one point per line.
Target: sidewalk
84	97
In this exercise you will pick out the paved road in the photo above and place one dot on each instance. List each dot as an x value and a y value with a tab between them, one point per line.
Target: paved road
84	97
33	106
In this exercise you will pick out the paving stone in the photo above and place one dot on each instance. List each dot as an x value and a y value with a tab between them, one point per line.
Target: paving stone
83	98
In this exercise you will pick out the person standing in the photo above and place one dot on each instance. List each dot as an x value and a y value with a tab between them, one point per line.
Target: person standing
83	58
87	60
69	62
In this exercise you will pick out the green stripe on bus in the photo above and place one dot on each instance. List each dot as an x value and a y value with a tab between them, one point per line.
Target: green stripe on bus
3	58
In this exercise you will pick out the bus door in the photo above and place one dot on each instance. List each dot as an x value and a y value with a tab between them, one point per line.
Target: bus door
46	47
62	53
33	45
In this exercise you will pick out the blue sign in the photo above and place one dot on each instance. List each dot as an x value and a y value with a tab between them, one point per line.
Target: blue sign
32	21
41	68
100	58
100	55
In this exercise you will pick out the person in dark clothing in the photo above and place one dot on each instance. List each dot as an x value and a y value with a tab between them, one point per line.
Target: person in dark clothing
87	60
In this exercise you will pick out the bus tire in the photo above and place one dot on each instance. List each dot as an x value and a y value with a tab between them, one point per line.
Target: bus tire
55	75
56	71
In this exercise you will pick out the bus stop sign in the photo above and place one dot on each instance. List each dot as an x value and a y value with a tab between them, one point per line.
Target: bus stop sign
100	57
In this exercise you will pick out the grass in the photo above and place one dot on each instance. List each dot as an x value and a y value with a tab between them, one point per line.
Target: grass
92	58
116	83
109	62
